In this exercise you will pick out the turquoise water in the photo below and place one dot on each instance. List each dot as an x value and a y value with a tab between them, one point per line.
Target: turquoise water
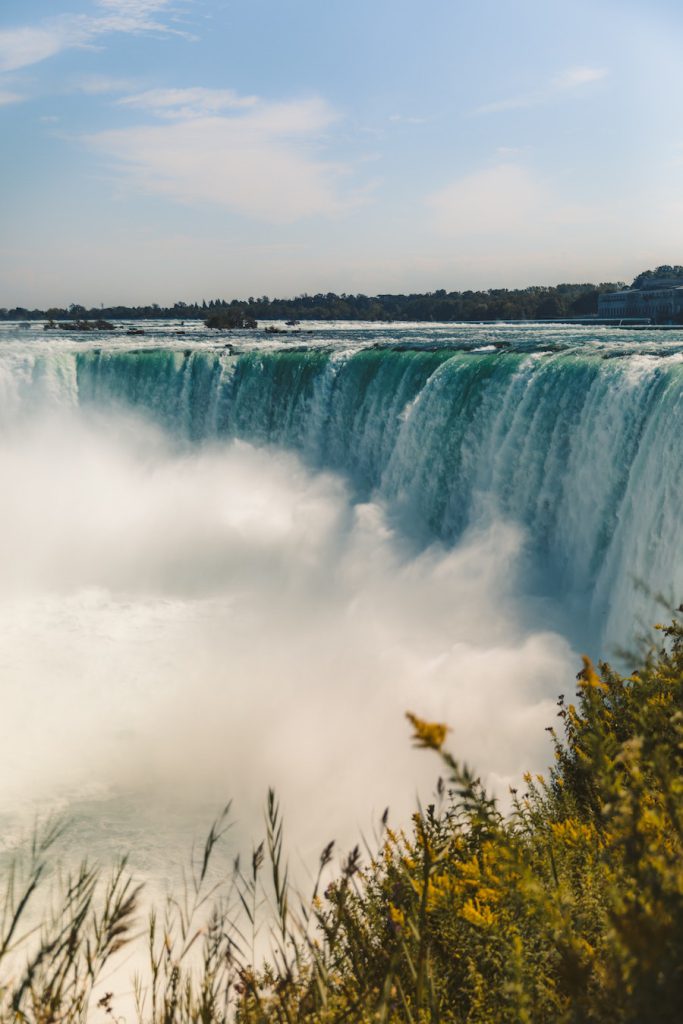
573	433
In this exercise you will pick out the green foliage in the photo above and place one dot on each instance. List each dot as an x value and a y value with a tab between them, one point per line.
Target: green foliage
566	909
665	272
231	319
538	302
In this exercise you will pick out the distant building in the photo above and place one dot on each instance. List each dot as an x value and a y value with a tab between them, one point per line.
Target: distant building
658	298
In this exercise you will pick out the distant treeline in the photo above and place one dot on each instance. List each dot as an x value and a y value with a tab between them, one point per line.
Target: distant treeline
533	303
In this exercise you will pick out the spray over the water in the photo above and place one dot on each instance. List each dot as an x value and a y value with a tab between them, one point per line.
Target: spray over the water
226	571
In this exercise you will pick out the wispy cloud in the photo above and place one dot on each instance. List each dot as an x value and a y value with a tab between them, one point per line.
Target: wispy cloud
133	10
7	98
100	85
30	44
259	161
188	103
132	16
574	78
20	47
563	84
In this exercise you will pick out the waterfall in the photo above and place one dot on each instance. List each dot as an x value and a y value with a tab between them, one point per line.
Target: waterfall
582	451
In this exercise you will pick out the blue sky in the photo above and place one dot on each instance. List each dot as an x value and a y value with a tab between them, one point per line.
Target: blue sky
156	150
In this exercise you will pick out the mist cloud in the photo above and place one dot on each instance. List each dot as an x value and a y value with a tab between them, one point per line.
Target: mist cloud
203	624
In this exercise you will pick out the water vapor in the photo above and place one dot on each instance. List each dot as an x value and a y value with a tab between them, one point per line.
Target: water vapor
184	625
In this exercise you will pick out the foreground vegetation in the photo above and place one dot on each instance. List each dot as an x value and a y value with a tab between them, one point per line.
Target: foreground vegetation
567	909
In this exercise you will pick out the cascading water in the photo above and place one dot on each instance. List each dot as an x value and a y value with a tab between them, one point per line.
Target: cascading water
582	451
297	540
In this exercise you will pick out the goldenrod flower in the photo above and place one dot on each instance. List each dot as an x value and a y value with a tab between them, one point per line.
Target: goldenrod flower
430	735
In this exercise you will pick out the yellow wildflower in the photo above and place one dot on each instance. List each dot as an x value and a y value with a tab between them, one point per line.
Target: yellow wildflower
397	915
478	914
589	677
431	735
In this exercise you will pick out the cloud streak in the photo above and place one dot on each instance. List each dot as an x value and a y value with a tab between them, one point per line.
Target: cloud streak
574	78
30	44
569	81
7	98
187	103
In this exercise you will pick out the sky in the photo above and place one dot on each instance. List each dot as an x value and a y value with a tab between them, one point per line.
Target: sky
165	150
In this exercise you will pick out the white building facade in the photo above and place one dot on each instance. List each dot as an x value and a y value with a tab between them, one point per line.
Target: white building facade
659	300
